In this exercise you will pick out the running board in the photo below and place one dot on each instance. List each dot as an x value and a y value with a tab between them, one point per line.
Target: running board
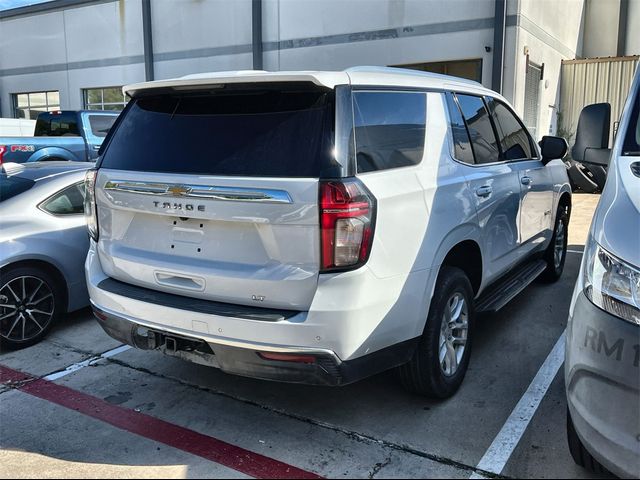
502	292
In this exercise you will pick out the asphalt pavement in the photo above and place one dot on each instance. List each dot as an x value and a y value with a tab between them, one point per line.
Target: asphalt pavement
77	405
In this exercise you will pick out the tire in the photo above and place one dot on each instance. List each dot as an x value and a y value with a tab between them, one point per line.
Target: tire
426	373
554	269
579	453
41	296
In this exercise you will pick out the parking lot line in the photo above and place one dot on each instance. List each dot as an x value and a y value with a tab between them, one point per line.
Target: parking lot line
85	363
207	447
500	450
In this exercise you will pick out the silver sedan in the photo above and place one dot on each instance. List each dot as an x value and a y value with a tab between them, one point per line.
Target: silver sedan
43	245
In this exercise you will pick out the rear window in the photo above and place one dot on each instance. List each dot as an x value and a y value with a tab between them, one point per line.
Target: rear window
248	133
480	129
10	186
63	124
100	124
461	141
514	140
68	201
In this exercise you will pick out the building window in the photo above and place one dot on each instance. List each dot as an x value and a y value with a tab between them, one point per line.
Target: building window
469	69
30	105
110	98
532	97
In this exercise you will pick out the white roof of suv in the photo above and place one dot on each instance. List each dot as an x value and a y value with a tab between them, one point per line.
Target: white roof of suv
373	76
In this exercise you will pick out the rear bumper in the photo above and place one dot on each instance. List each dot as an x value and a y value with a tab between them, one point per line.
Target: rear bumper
294	365
602	382
319	368
348	336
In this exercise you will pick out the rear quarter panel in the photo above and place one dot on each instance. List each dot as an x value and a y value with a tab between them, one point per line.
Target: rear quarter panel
33	149
423	211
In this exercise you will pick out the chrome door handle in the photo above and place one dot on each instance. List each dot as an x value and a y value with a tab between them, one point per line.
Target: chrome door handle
525	180
484	191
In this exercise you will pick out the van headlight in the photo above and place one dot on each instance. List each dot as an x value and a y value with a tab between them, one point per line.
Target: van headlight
611	284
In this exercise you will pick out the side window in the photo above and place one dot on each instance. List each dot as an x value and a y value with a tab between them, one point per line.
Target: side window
389	129
480	129
68	201
101	124
461	142
514	139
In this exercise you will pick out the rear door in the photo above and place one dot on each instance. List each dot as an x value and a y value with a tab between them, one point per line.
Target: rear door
214	195
536	182
495	186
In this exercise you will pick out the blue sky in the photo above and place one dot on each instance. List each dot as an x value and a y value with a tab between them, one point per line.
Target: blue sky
7	4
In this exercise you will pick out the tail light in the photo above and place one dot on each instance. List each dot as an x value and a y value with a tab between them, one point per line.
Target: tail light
347	217
3	150
90	212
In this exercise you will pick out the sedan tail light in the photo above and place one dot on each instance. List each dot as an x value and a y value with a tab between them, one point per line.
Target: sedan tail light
3	150
90	211
347	217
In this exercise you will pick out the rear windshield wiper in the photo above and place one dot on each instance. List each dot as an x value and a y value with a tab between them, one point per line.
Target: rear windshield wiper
176	108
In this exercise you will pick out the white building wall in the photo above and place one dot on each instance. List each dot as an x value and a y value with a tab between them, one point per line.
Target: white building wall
193	36
341	33
601	16
632	44
101	44
550	32
97	45
103	31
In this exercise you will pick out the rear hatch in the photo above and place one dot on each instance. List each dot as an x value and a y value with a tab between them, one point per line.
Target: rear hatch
213	194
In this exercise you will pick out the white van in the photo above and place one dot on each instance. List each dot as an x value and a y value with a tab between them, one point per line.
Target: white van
602	373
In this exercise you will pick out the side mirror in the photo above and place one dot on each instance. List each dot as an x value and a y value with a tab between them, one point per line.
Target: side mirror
597	156
552	148
593	130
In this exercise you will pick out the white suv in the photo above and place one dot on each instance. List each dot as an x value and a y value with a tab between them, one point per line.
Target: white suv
320	227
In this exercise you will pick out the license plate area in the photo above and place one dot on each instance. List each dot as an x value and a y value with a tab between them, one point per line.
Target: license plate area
148	339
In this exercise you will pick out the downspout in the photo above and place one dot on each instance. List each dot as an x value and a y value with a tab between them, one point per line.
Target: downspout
622	28
499	28
256	33
147	40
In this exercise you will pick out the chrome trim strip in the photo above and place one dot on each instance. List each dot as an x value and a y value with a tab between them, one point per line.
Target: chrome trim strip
234	194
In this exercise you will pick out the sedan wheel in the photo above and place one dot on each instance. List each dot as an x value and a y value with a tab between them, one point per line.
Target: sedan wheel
27	308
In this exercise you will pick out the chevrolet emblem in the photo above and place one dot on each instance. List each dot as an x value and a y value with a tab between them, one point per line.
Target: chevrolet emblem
179	190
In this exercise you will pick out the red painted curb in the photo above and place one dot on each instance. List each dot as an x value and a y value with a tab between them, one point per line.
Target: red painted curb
175	436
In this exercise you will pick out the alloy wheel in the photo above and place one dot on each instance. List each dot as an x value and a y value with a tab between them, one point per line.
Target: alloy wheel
558	248
453	334
27	307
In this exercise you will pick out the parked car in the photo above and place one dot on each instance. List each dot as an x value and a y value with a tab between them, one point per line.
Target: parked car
60	135
43	244
602	374
320	227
